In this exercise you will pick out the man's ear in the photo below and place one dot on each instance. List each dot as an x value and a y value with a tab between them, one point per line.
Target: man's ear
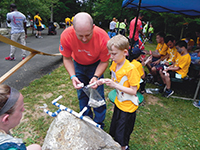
4	118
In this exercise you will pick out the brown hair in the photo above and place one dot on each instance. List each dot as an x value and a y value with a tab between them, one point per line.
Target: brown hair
4	95
119	41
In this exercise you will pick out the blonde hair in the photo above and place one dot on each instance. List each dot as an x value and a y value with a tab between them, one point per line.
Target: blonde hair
119	41
4	95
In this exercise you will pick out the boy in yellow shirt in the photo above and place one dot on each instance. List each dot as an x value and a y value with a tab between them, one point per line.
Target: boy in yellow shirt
125	79
158	55
179	69
140	67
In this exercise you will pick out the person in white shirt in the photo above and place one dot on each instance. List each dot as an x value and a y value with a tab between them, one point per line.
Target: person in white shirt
17	21
112	25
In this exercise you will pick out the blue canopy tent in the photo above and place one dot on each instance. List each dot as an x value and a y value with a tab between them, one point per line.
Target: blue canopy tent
182	7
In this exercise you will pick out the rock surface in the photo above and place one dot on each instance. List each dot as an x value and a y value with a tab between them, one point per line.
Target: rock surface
68	132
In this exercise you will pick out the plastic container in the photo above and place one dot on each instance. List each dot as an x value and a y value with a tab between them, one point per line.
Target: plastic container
152	90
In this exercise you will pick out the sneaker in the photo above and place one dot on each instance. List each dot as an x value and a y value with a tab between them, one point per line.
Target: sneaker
127	147
40	37
196	104
36	36
9	58
168	93
162	89
23	58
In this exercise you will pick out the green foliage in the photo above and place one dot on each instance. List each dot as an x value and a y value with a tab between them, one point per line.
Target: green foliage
65	8
28	7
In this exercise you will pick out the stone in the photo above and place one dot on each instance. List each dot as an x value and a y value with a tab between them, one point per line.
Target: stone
68	132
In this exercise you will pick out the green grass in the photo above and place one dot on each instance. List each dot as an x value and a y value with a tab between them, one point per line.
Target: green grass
161	123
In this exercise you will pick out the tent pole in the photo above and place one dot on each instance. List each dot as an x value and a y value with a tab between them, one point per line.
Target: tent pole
132	40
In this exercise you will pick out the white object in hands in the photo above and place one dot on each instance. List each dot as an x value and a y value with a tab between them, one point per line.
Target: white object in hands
148	60
80	85
165	67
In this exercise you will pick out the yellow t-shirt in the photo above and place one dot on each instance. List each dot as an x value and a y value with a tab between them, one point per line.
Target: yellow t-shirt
198	41
189	43
162	49
172	54
72	20
39	20
133	76
138	65
68	20
184	63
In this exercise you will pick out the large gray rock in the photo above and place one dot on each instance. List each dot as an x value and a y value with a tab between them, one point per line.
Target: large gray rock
68	132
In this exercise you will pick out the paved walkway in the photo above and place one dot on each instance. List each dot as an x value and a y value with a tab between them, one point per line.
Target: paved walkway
37	66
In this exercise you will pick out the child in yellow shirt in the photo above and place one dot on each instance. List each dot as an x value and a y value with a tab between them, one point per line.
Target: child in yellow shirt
179	69
140	67
125	79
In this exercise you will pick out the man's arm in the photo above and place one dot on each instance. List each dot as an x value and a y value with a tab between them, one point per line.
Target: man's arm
69	65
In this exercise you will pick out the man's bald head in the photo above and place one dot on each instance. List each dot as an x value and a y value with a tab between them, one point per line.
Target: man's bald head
83	26
82	19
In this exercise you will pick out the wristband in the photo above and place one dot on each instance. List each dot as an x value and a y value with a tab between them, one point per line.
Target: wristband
72	76
142	66
170	63
96	76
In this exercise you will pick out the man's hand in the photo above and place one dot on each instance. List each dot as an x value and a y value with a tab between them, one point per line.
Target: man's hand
94	79
75	82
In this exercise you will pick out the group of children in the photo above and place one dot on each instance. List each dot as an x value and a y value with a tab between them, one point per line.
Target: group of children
170	60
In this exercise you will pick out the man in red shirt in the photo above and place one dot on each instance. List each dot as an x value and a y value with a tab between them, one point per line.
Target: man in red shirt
138	28
86	44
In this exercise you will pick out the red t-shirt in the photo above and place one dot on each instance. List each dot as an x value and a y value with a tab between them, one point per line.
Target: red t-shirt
138	27
85	53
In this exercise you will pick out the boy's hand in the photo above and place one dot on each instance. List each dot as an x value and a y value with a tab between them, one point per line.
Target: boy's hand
156	62
110	83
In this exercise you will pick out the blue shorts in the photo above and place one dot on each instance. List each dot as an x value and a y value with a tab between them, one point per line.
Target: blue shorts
39	28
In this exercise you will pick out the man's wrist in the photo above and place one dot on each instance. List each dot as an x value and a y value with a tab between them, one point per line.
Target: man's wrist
72	76
96	76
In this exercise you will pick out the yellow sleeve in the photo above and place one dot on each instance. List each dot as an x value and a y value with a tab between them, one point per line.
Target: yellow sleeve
164	49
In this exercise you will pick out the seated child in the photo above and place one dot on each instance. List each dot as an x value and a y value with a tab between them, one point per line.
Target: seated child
11	109
190	42
158	54
179	69
125	79
170	57
195	57
140	67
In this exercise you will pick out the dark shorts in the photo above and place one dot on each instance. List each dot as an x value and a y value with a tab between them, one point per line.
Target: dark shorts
39	28
172	74
153	60
122	125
